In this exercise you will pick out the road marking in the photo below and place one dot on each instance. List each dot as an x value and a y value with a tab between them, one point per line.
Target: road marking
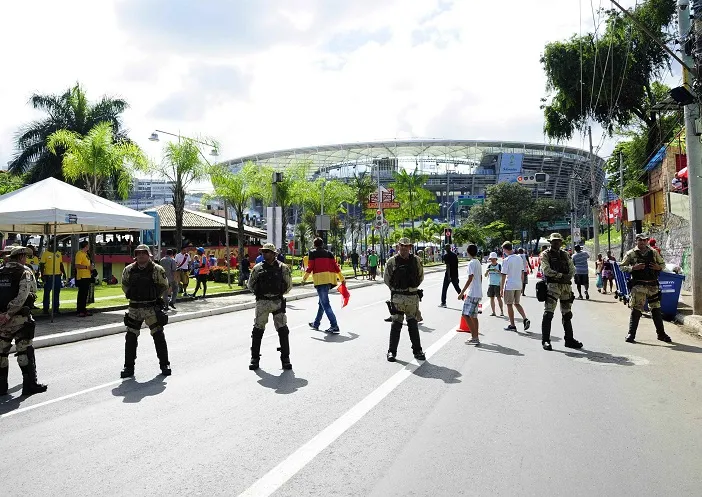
59	399
279	475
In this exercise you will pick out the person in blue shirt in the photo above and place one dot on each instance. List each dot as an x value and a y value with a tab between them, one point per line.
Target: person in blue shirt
494	272
582	278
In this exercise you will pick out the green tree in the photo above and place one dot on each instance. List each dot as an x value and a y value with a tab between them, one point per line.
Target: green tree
70	111
468	233
506	202
288	193
545	210
619	72
182	164
96	160
10	183
239	188
407	186
363	186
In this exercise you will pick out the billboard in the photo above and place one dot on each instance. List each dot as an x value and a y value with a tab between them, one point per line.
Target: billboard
509	167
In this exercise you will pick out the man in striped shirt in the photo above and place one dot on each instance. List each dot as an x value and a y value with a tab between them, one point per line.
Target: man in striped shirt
325	272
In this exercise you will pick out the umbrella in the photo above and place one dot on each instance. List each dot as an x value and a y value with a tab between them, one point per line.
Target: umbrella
682	173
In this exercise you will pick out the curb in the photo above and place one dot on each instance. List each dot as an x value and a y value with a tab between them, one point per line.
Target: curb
117	328
692	323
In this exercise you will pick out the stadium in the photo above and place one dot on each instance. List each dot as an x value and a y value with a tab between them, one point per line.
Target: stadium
453	167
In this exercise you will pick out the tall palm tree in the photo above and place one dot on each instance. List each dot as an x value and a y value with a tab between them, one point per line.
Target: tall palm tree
69	111
363	186
409	185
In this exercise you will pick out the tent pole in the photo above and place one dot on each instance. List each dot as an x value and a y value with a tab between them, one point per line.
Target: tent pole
53	279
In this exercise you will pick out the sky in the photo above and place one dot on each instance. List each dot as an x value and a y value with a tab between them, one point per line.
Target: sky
263	75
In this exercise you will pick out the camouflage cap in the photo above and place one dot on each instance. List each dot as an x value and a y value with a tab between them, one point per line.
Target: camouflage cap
642	236
142	248
555	236
269	246
19	250
404	241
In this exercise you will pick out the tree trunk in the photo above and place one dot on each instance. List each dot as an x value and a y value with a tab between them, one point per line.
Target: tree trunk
178	207
240	229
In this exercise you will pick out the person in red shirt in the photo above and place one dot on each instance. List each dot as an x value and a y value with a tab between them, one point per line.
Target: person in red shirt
325	271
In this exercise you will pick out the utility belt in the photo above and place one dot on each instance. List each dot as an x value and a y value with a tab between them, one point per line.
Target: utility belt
265	297
632	283
404	292
142	305
558	281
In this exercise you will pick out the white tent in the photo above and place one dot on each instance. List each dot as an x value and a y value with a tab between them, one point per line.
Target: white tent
54	207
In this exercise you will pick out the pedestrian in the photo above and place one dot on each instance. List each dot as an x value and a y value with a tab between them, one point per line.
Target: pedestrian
598	272
644	264
450	274
83	278
404	275
270	280
354	263
494	273
143	283
527	270
169	266
203	273
582	278
325	272
244	270
183	263
364	264
213	260
558	268
511	285
608	273
651	242
18	292
372	265
280	257
52	273
474	287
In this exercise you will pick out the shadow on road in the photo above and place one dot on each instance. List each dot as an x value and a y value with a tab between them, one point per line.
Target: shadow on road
536	336
499	349
285	383
134	392
7	403
680	347
425	329
331	338
428	370
598	357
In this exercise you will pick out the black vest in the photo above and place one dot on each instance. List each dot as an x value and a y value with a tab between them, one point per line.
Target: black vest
270	280
141	283
406	274
10	278
558	261
646	274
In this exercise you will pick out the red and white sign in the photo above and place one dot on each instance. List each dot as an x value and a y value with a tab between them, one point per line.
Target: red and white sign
615	212
387	201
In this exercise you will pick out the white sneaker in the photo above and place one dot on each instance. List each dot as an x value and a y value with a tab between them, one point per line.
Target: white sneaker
473	341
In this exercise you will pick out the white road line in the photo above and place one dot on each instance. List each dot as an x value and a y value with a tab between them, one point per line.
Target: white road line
59	399
279	475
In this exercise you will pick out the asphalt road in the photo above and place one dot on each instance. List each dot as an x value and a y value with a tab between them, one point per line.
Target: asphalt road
505	418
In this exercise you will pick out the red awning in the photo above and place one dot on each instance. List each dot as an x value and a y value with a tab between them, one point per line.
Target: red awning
682	173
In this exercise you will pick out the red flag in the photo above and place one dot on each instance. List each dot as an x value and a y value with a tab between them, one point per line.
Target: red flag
345	295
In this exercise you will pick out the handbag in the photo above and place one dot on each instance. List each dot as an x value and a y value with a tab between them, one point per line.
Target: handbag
541	291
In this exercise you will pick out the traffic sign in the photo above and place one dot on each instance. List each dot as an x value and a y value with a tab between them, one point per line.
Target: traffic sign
386	202
471	200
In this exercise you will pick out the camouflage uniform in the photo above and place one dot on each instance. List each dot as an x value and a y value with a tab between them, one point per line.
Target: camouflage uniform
144	288
269	282
20	326
404	301
644	288
558	268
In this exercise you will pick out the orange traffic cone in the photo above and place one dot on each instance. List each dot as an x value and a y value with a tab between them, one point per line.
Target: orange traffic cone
463	326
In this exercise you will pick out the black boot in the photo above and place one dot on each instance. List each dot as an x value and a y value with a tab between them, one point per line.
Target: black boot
395	330
256	337
4	372
30	386
568	339
633	325
546	330
660	329
162	352
130	354
283	336
413	328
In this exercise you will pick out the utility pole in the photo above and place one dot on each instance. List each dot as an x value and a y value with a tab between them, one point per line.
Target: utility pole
593	198
621	204
226	244
694	162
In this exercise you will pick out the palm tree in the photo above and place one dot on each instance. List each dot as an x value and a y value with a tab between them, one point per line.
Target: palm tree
409	185
182	164
363	185
69	111
239	188
288	193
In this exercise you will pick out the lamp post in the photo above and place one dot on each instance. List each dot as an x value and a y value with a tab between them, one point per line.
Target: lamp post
448	213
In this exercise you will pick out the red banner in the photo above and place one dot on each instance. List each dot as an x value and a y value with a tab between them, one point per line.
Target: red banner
615	212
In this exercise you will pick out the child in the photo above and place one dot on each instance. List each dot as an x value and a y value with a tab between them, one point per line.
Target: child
474	285
494	271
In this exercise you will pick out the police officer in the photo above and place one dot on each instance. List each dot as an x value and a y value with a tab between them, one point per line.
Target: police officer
143	283
18	291
644	264
558	268
403	275
269	281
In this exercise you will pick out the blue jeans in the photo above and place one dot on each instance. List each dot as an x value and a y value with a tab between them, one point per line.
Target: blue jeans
52	283
324	306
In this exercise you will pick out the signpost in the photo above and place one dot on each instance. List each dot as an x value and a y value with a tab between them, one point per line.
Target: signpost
387	202
470	200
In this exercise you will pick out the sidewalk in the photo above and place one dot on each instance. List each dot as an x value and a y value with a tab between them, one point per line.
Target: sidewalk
70	328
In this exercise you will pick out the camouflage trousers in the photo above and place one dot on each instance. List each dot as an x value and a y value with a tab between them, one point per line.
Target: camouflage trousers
562	292
265	307
407	305
11	331
642	293
140	315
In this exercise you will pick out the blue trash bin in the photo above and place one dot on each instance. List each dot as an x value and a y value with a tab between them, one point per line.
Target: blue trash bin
671	284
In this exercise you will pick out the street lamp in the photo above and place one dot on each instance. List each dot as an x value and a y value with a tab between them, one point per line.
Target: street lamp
155	138
448	212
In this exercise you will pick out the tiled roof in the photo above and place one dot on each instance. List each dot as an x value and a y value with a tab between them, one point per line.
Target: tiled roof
199	220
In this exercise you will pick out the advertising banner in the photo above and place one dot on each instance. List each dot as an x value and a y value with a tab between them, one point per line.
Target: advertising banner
509	167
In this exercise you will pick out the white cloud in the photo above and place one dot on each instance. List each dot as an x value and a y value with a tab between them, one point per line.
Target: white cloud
266	75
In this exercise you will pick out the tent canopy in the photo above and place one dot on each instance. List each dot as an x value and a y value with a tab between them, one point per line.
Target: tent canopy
38	207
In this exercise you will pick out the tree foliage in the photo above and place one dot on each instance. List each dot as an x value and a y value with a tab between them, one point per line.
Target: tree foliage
10	183
70	111
619	69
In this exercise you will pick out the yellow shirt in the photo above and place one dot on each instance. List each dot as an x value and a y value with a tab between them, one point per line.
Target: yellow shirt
83	260
33	262
52	266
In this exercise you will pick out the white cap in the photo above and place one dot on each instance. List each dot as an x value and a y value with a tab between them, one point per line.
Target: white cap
493	255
